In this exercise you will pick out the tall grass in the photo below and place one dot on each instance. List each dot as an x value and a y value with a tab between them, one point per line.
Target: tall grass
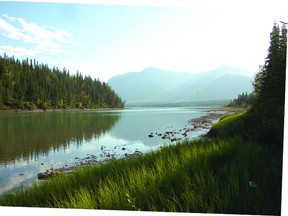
208	175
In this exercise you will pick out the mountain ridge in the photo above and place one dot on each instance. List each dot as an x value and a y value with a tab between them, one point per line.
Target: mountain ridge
158	85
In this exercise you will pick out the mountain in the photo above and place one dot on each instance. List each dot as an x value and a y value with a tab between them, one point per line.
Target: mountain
147	85
156	85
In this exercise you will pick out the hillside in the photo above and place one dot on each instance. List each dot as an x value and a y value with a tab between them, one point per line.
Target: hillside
156	85
30	85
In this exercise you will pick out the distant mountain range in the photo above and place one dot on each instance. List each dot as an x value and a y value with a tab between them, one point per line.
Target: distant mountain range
154	85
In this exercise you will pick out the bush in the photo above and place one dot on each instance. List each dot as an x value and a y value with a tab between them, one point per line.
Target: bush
29	105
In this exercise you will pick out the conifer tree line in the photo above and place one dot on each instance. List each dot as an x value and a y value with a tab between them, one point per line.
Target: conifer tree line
243	100
267	102
269	89
27	84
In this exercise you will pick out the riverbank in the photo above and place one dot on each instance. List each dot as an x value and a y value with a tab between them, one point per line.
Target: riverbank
67	139
14	111
214	115
205	175
201	124
200	176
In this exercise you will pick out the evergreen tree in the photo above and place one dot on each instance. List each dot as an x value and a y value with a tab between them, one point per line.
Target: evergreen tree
243	100
30	85
269	88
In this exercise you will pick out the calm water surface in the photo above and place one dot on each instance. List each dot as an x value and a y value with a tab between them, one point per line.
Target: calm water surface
31	143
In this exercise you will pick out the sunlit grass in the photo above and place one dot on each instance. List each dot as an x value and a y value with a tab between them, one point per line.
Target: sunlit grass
208	175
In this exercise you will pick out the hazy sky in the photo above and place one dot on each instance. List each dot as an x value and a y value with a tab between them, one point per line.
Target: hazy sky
105	40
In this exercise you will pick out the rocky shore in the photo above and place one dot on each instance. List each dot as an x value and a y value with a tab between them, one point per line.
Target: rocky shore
206	122
203	123
89	160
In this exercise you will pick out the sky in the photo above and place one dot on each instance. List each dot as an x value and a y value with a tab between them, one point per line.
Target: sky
113	37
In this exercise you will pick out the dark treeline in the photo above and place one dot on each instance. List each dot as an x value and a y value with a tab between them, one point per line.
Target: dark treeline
269	90
243	100
264	120
27	84
268	99
263	123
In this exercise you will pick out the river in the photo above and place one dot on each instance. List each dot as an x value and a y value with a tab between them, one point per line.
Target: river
31	143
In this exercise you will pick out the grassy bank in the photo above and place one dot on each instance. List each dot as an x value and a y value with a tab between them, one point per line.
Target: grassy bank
208	175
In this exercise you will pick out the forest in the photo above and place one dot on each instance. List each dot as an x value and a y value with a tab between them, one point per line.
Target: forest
243	100
29	85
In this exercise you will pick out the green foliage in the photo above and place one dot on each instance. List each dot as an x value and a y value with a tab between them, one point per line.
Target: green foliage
269	88
270	81
231	125
263	123
200	176
243	100
29	85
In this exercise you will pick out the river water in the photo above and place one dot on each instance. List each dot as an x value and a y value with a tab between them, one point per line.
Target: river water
31	143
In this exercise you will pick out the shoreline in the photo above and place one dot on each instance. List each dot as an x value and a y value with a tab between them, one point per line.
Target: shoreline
16	111
213	116
201	123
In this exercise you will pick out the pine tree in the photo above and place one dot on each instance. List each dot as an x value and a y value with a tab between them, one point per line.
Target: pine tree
270	81
269	88
30	85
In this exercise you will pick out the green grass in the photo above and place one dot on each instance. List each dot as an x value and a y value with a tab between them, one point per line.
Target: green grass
240	124
208	175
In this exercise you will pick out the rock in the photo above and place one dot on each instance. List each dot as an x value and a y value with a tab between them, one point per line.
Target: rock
47	174
42	176
136	153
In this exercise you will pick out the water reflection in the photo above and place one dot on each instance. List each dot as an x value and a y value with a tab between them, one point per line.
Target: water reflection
136	124
27	136
33	143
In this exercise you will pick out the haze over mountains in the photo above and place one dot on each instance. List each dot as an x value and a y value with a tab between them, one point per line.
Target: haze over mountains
154	85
